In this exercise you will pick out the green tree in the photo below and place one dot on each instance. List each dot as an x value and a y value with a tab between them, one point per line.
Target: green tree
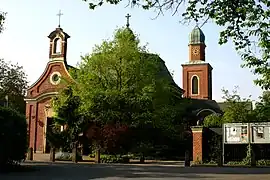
262	108
13	136
237	109
213	120
13	85
2	20
245	22
120	82
66	107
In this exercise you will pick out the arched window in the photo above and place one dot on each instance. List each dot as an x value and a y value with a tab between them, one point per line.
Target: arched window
195	85
57	46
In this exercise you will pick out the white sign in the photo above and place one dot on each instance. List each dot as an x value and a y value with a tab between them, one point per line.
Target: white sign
236	133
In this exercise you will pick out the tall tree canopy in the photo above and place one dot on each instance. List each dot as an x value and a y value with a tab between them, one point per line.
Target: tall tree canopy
121	83
236	109
2	20
13	85
262	108
245	22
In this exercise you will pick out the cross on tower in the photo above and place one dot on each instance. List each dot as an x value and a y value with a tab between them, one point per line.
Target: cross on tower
128	16
59	14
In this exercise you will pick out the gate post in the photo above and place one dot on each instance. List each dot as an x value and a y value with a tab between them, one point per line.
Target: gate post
197	134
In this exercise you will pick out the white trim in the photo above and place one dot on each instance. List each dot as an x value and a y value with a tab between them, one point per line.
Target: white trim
41	97
46	69
206	110
53	45
56	59
192	84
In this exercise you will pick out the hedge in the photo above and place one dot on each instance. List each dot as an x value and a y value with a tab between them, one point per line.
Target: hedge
13	136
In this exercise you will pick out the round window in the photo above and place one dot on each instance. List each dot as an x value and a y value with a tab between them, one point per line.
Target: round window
55	78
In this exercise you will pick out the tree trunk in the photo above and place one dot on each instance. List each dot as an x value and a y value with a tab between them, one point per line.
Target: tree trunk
74	153
253	158
52	154
187	159
142	159
97	156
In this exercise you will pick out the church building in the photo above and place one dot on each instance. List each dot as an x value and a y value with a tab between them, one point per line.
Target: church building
197	77
38	100
197	84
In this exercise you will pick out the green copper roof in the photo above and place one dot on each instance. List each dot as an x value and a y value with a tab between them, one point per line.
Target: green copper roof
196	36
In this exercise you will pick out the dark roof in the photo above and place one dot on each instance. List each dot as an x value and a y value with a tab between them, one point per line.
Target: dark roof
200	104
196	36
56	31
69	67
224	105
164	72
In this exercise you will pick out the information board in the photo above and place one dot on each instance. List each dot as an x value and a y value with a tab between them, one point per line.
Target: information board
260	133
235	133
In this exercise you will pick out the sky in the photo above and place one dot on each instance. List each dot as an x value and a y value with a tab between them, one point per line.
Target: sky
29	22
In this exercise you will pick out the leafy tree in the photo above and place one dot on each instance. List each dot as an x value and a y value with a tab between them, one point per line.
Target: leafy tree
13	136
262	110
2	20
13	85
121	83
245	22
111	138
213	120
237	109
66	107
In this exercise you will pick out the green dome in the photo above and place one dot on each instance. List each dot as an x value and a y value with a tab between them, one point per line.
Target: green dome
196	36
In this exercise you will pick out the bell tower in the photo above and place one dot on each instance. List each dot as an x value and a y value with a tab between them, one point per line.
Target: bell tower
197	74
58	43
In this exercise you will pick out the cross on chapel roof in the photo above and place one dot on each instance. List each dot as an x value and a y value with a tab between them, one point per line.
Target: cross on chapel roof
59	20
128	16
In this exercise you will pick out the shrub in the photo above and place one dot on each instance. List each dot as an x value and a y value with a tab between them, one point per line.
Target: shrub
13	136
114	159
263	162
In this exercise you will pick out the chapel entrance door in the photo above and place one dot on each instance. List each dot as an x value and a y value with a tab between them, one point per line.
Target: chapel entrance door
48	130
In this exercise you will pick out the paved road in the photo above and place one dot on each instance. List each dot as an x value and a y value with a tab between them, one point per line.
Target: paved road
68	171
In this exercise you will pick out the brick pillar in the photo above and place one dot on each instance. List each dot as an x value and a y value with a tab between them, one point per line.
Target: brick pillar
197	133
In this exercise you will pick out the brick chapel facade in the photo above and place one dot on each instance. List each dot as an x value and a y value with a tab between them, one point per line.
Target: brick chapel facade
39	95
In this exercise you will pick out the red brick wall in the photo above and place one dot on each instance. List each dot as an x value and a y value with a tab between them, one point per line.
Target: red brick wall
204	72
200	56
197	146
44	84
31	118
35	110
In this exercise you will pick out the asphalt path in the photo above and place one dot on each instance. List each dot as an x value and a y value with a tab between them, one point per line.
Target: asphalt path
69	171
